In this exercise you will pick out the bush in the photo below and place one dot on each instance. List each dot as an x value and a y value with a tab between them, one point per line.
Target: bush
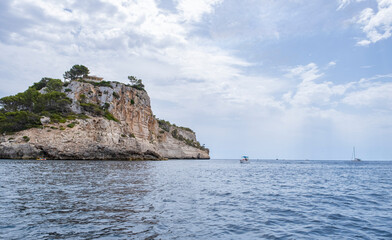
71	125
132	101
116	95
26	138
82	98
110	116
102	84
67	90
18	121
83	116
165	125
97	84
71	117
57	118
187	129
92	108
106	106
51	83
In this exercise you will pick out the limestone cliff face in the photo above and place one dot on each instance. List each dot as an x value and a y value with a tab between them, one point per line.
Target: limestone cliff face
136	135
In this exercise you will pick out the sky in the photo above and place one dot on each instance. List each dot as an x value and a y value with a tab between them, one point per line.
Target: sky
288	79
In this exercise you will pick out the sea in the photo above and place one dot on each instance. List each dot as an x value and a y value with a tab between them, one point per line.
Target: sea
195	199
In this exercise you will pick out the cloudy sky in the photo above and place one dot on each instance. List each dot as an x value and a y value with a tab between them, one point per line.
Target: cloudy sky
294	79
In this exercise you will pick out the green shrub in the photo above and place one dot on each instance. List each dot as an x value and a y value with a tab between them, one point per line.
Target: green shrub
116	95
18	121
51	83
62	128
71	125
132	101
97	84
26	138
57	118
67	90
82	98
187	129
106	106
132	135
110	116
102	84
92	108
83	116
177	136
165	125
123	135
71	117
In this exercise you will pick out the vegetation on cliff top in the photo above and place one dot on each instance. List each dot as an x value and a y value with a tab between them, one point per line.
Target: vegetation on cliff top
76	72
23	110
165	125
172	128
44	98
136	83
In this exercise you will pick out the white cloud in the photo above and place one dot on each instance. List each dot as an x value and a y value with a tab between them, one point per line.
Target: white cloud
307	73
127	28
308	91
193	10
377	96
345	3
377	25
331	64
375	92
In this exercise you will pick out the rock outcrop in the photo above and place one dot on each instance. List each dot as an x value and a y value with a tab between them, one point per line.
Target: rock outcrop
131	132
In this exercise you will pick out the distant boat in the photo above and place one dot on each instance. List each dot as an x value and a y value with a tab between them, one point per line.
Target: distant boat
355	158
245	159
41	158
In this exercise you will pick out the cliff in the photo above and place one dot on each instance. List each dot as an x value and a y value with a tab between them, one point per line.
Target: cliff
117	123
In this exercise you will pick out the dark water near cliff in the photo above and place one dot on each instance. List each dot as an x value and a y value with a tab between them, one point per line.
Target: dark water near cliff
213	199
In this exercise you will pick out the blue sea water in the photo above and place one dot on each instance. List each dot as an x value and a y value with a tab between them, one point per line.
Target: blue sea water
182	199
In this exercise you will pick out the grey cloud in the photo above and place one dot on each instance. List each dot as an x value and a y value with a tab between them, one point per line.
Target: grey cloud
94	6
168	5
10	23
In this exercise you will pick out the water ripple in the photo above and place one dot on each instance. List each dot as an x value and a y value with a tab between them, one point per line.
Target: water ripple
195	200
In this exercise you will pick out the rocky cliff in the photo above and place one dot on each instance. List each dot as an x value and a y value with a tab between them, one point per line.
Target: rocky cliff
129	130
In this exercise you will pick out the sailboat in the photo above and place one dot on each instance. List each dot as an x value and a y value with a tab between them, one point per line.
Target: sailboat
355	158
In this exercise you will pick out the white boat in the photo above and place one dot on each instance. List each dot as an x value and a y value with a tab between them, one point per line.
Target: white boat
355	158
244	159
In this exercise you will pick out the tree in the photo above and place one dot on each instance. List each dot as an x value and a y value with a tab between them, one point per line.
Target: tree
54	85
136	83
77	71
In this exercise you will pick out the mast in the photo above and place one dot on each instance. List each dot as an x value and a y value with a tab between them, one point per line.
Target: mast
354	153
